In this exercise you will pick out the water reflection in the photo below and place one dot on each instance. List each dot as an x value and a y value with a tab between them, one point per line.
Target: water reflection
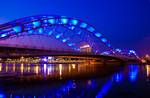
47	71
133	72
22	68
104	90
117	77
64	90
60	70
118	85
148	70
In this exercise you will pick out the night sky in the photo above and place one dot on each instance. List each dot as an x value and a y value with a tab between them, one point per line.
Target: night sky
126	23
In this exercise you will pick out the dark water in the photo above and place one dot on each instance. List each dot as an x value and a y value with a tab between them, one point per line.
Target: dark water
132	81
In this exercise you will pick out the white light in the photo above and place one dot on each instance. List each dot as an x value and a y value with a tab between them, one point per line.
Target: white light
60	70
45	59
3	35
49	70
50	58
85	46
45	67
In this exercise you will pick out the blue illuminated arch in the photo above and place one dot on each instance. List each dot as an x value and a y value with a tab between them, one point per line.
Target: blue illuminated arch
41	25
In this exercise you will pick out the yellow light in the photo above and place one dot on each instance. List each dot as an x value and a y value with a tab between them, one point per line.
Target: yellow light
69	68
73	66
37	69
14	67
143	61
28	68
60	70
148	70
6	67
22	68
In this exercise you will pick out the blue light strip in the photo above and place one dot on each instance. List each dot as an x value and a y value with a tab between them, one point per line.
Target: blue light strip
17	29
104	90
51	21
91	29
64	21
104	40
36	23
98	34
74	22
83	25
64	89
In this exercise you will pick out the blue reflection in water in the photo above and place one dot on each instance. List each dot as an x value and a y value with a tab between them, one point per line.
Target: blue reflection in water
104	89
65	88
17	97
117	77
133	72
76	89
91	84
2	95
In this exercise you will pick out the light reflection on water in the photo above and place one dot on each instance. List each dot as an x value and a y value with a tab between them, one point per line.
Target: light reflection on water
47	71
130	82
148	70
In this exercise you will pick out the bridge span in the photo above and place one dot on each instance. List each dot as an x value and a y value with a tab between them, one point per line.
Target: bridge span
52	35
73	57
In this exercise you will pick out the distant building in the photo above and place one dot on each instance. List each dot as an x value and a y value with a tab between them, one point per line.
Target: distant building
86	48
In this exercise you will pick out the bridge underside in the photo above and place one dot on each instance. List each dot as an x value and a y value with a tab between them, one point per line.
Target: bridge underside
13	52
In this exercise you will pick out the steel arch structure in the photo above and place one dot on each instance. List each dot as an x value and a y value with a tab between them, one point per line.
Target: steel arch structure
71	32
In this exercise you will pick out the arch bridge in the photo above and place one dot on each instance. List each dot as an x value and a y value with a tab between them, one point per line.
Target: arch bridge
51	35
